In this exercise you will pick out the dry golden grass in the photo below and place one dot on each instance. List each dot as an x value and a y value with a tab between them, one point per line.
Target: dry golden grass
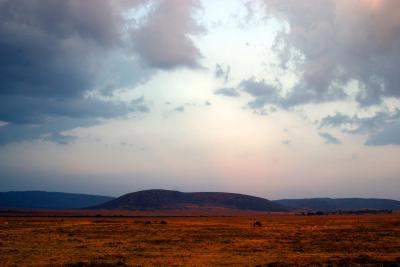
334	240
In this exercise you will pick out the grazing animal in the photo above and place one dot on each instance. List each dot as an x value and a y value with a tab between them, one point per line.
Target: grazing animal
147	222
163	222
257	224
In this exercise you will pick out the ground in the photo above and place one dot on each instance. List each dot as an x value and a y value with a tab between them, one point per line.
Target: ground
282	240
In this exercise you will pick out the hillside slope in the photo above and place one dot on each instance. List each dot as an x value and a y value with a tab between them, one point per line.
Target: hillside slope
48	200
158	199
335	204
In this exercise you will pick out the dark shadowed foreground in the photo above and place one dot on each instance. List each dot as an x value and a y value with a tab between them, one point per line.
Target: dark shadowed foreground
281	240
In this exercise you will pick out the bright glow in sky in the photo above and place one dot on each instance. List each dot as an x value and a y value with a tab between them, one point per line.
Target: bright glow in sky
279	99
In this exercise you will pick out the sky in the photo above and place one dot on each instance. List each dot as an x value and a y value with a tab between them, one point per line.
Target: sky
273	98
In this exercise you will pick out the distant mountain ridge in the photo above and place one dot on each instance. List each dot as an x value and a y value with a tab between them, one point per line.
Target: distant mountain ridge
48	200
158	199
336	204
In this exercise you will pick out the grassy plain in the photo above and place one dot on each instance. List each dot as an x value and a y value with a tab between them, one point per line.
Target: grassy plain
283	240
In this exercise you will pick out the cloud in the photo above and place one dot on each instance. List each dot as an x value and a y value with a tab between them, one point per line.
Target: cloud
286	142
260	89
61	139
28	110
42	116
360	125
329	139
379	120
336	41
382	128
336	120
51	54
189	105
330	46
227	91
220	73
265	94
180	109
21	132
262	92
164	39
389	135
65	58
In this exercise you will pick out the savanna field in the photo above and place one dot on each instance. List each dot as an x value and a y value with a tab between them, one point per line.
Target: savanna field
282	240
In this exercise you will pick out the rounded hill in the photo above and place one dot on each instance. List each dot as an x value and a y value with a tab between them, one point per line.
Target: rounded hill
158	199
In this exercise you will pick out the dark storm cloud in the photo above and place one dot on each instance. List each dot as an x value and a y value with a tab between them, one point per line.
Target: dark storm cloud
20	132
56	53
48	47
329	139
63	117
50	51
26	109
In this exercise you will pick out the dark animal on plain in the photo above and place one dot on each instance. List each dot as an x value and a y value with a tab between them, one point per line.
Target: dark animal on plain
147	222
163	222
257	224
